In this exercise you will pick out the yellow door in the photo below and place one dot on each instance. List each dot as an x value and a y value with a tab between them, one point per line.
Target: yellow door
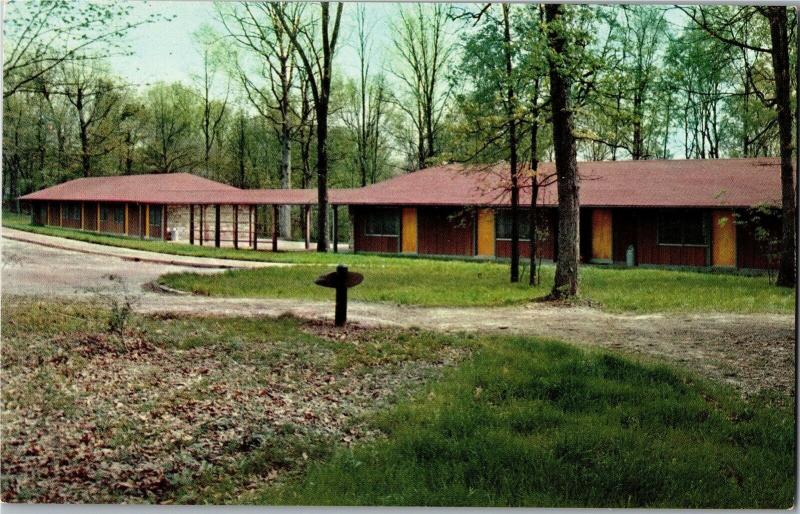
409	230
723	239
601	234
486	232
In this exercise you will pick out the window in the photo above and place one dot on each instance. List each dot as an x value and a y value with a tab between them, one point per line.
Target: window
689	227
383	222
503	224
155	215
72	212
114	214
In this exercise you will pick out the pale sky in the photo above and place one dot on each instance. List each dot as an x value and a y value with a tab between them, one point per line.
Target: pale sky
166	50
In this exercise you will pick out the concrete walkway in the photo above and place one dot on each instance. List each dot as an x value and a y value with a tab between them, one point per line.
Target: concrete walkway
130	254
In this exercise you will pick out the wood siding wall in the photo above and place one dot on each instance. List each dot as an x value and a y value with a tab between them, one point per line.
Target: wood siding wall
135	223
157	227
90	211
364	243
66	221
53	213
547	246
750	253
110	226
39	213
639	227
624	233
446	231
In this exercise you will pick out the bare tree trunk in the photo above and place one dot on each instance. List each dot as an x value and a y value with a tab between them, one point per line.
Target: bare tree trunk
83	126
638	144
322	177
566	279
512	143
285	211
533	215
778	22
319	76
241	151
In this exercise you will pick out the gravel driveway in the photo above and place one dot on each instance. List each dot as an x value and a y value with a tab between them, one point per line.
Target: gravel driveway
749	351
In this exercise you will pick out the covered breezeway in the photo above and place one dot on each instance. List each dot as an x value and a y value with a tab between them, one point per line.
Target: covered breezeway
242	218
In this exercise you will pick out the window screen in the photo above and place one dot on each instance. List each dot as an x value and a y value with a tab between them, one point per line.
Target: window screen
119	215
682	228
383	222
155	215
72	212
105	213
503	224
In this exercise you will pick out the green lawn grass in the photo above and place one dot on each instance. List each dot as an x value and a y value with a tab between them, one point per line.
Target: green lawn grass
437	282
205	410
529	422
441	283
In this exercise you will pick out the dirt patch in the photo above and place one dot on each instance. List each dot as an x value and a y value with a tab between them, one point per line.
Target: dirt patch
752	352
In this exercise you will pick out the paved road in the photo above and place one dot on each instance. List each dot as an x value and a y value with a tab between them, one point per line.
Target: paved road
32	269
130	254
748	351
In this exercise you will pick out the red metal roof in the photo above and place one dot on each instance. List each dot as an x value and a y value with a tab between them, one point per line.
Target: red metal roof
666	183
673	183
129	188
168	188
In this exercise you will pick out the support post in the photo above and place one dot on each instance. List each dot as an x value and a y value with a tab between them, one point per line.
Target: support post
164	222
255	227
307	231
141	223
146	221
236	226
126	218
335	229
216	225
97	219
274	228
341	295
83	215
191	224
202	223
60	214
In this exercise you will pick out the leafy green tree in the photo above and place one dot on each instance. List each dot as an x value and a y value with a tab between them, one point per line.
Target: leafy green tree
171	141
734	26
42	35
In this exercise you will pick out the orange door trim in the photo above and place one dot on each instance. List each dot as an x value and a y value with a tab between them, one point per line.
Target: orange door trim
601	235
409	230
723	239
485	233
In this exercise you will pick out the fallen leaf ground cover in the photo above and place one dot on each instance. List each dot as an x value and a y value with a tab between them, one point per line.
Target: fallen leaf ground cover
188	409
283	411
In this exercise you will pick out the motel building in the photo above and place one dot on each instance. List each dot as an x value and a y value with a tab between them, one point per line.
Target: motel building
686	213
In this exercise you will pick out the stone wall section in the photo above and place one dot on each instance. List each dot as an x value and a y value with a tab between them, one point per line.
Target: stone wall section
178	220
